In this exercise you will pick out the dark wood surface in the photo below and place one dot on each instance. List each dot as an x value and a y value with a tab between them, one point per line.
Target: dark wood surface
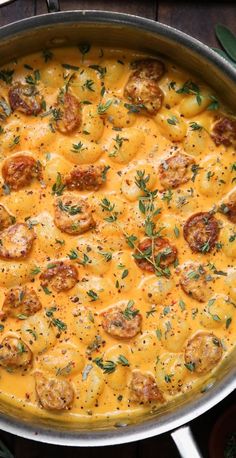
196	18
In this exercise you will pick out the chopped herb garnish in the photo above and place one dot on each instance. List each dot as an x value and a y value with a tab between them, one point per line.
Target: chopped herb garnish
101	70
189	87
58	187
206	247
65	370
6	189
34	79
107	255
6	75
167	196
172	121
76	147
104	172
228	322
59	324
195	126
182	304
47	55
195	169
70	209
93	295
88	85
158	334
123	360
118	144
73	254
129	312
103	107
214	105
134	108
176	231
190	366
125	273
70	67
84	48
46	290
35	271
33	333
49	312
60	242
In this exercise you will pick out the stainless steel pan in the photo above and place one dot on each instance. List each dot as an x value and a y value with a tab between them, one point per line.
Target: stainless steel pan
120	30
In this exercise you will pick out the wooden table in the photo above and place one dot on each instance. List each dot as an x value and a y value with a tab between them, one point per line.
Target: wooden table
196	18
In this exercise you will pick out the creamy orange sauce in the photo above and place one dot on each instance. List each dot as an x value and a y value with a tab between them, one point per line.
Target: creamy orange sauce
108	274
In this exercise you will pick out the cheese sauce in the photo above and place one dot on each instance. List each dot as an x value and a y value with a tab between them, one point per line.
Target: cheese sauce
118	237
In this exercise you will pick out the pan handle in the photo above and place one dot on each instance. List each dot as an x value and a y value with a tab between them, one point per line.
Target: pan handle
53	6
185	443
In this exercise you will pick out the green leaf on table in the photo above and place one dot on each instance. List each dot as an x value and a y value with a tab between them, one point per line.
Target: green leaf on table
227	39
4	451
224	55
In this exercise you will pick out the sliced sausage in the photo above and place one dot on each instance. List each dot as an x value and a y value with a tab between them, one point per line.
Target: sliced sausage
25	98
224	132
60	276
143	388
6	219
14	353
144	93
73	215
53	393
228	206
121	325
193	280
18	171
203	352
85	178
16	241
164	254
201	232
175	170
152	69
21	301
68	114
5	110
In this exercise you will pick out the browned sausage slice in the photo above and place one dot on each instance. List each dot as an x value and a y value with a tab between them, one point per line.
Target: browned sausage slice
224	132
68	114
21	301
193	280
5	110
25	98
122	325
18	171
145	93
85	178
53	393
152	69
175	170
16	241
14	353
60	276
201	232
164	254
228	206
73	215
6	219
203	352
143	388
